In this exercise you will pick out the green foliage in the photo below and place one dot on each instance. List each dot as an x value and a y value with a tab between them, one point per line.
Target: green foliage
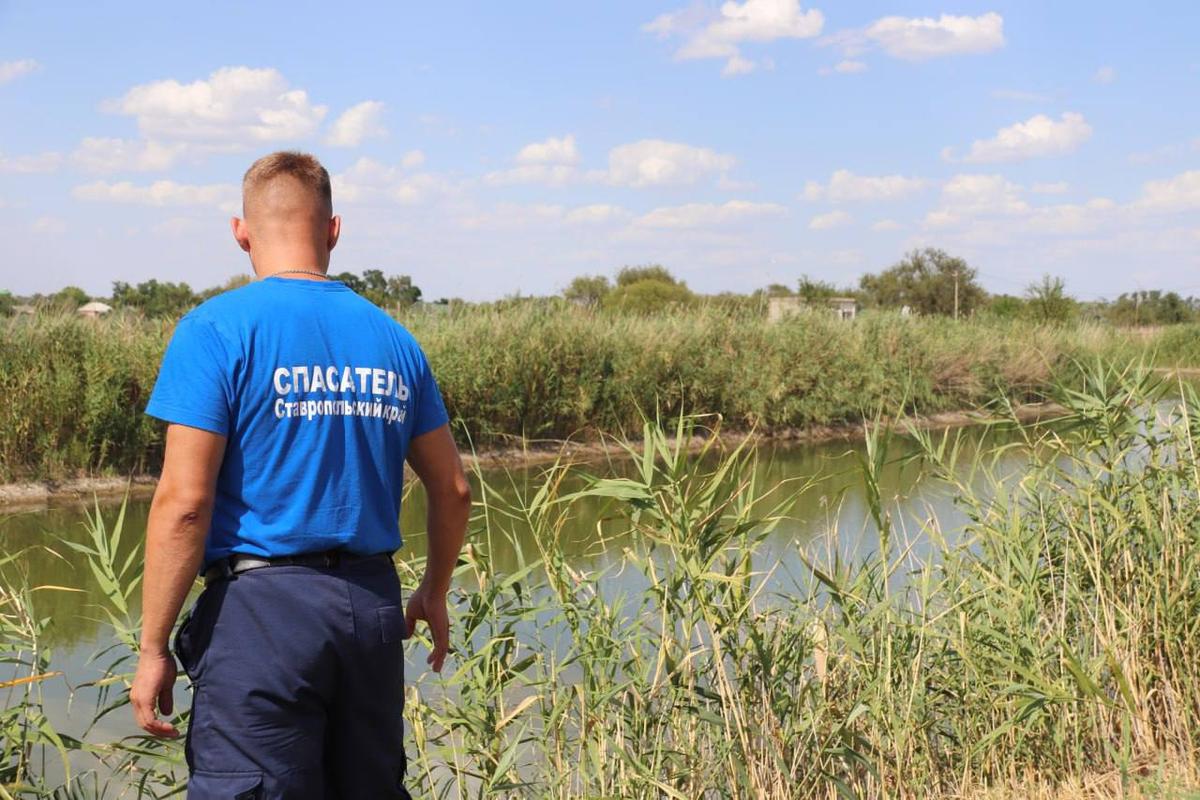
8	303
927	281
545	369
1047	301
154	299
648	297
1152	307
236	282
385	291
1005	306
69	298
588	291
650	272
1042	638
816	291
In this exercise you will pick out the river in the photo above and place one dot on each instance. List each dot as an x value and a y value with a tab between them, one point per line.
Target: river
823	495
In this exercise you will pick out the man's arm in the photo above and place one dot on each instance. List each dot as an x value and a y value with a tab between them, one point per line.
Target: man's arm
179	518
434	457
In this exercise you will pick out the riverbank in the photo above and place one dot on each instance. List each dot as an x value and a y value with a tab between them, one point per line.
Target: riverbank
984	621
33	496
538	372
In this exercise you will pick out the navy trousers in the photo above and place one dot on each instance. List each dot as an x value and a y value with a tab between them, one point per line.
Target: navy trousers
297	684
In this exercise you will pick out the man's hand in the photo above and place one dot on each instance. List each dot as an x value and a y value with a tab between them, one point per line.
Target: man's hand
151	693
430	606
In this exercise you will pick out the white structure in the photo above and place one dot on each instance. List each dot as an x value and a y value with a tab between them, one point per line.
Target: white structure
94	309
844	307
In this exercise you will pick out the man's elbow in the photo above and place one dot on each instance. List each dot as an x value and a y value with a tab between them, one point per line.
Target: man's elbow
182	507
456	494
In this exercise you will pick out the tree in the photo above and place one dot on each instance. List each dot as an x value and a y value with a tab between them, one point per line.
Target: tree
928	281
644	297
814	290
650	272
384	291
588	291
8	303
69	298
643	290
1153	307
1006	306
236	282
1048	302
154	299
777	290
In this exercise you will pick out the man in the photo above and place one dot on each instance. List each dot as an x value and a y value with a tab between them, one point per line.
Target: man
292	405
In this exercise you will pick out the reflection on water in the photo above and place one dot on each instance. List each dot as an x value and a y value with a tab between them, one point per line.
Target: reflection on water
821	487
822	496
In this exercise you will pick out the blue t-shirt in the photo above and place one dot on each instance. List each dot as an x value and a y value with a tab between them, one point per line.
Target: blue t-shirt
318	393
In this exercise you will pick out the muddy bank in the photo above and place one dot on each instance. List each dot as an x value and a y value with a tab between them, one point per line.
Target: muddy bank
82	491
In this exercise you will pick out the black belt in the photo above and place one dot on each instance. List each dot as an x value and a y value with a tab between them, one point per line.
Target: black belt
238	562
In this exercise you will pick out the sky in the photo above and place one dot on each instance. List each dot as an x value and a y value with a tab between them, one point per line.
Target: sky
490	149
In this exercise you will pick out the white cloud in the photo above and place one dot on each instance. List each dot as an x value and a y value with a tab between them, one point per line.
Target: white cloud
703	215
1057	187
49	225
510	216
1105	75
117	155
159	193
11	70
596	214
708	34
356	124
834	219
887	225
550	163
42	162
1038	136
844	186
970	195
551	151
1178	193
369	181
412	159
845	67
235	104
919	39
545	174
736	65
654	162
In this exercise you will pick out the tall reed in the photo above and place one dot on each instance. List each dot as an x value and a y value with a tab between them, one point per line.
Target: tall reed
1048	642
77	388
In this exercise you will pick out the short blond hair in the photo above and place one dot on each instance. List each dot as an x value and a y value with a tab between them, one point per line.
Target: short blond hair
302	167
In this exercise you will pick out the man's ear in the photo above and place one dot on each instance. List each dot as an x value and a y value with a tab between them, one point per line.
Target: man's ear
335	230
241	233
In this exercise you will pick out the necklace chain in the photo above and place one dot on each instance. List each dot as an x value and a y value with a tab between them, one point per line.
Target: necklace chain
298	272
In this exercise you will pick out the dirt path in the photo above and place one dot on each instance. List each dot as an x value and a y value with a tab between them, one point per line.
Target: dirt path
82	491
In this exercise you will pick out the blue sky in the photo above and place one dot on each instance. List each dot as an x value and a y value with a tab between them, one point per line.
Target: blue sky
492	148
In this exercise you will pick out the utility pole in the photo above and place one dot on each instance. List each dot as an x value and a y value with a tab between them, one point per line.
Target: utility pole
956	294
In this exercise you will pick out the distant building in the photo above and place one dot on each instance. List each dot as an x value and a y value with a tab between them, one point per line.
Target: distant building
844	307
94	309
780	308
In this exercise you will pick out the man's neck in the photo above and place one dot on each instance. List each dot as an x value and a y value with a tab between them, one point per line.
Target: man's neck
301	274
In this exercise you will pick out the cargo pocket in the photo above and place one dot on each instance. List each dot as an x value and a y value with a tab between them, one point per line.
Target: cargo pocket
391	624
225	786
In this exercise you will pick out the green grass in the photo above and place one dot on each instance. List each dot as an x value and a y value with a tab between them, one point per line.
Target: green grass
1053	639
77	388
